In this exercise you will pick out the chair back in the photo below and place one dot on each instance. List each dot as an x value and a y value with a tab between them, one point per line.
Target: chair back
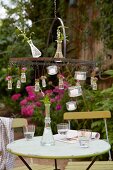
87	115
19	122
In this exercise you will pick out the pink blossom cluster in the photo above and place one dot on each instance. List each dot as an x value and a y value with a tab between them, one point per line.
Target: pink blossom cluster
16	97
34	100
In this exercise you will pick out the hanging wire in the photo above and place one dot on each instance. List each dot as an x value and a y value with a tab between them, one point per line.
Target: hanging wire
55	9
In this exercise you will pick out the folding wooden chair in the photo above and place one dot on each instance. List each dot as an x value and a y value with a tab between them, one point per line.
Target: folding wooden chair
104	165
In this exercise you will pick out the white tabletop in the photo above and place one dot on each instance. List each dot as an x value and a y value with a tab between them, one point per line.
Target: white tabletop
60	150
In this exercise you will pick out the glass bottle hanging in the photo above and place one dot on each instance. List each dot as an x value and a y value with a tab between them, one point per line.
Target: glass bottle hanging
94	83
10	84
35	52
37	85
18	85
47	138
43	78
61	82
58	53
23	75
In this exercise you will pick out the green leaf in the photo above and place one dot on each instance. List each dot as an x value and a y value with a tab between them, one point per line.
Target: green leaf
109	72
46	99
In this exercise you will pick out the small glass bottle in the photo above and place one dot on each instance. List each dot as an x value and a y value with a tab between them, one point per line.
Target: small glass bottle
43	78
47	138
61	83
23	77
37	85
18	85
94	83
10	84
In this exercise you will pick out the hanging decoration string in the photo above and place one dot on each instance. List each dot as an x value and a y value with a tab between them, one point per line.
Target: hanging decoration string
55	8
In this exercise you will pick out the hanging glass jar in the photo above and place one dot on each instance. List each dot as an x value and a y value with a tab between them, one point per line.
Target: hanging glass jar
74	91
52	70
47	138
71	105
80	75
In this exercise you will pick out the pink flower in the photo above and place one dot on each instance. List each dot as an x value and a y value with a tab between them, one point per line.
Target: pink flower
31	97
8	78
38	104
15	97
27	110
23	102
57	90
49	92
58	107
24	69
52	100
58	98
66	85
29	89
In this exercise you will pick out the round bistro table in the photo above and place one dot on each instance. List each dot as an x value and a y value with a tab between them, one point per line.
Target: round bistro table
61	150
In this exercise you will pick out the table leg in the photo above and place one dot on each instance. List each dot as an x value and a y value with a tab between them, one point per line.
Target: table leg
56	165
23	160
92	162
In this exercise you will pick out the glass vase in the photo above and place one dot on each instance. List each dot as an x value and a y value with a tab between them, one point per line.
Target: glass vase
35	51
58	53
47	138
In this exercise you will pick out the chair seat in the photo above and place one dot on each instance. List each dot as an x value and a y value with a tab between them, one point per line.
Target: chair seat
35	167
98	165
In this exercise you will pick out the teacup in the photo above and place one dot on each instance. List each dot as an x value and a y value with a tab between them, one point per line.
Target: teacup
79	75
71	105
52	70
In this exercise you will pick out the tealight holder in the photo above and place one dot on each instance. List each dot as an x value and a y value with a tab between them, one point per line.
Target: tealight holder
71	105
79	75
74	91
52	70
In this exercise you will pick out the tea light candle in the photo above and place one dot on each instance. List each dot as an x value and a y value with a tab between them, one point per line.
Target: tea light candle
74	91
52	70
71	105
80	75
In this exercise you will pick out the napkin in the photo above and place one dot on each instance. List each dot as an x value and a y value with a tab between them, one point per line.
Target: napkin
72	136
95	135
